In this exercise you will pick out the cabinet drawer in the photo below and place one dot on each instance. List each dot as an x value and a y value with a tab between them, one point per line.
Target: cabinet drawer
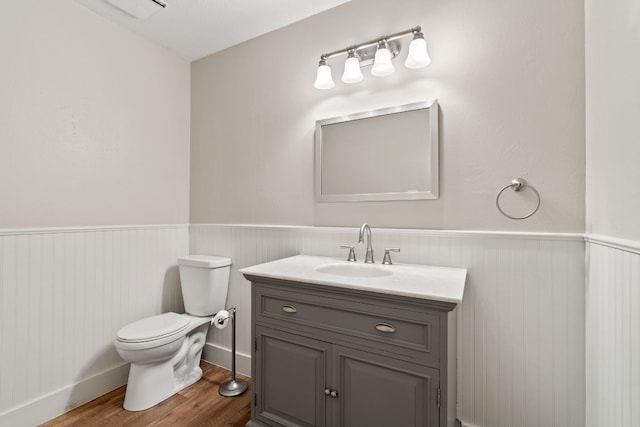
386	324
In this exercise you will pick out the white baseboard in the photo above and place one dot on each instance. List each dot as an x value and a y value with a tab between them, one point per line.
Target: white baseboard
221	356
65	399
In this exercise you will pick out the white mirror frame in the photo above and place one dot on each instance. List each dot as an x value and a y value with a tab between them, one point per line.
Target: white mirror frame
431	164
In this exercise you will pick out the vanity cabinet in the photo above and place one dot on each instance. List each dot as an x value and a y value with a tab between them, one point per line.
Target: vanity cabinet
327	356
291	372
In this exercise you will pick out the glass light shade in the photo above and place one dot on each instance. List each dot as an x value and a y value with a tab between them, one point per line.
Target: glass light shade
323	78
382	65
418	56
352	73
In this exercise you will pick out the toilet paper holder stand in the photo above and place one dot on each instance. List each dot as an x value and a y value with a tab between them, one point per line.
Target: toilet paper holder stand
235	386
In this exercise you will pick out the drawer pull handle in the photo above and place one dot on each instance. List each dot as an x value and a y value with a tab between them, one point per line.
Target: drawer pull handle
385	327
289	309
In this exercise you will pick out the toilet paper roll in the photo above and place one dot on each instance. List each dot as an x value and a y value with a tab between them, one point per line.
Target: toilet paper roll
221	319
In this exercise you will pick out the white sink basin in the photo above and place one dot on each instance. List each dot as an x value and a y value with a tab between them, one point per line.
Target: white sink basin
353	270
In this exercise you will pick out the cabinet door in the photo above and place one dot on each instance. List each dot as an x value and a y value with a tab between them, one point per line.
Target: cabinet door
289	382
376	390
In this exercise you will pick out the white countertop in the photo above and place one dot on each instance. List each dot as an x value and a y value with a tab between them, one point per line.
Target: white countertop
416	281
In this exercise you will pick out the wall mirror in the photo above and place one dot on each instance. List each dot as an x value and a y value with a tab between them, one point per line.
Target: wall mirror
386	154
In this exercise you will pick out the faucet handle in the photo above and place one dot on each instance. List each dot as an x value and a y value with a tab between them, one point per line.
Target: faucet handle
352	254
387	257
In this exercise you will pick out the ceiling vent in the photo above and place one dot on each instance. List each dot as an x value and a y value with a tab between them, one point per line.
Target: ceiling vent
141	9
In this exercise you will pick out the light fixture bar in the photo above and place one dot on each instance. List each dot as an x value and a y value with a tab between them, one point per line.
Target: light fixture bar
369	43
378	52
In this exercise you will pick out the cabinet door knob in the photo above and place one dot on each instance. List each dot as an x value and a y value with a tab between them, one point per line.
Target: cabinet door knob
334	394
385	327
327	391
289	309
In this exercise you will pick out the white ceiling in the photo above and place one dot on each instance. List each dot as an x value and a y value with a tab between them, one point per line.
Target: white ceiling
197	28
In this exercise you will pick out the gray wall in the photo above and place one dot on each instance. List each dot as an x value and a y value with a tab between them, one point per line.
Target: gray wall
612	125
612	31
94	121
94	136
509	77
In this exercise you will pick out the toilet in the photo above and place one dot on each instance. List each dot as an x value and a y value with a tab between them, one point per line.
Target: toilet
165	350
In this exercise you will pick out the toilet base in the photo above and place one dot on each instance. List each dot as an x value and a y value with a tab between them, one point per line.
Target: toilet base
147	386
150	384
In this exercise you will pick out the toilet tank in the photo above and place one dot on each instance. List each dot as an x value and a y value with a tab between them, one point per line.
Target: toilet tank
205	281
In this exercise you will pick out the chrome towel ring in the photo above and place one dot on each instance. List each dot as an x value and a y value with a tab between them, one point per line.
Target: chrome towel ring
518	184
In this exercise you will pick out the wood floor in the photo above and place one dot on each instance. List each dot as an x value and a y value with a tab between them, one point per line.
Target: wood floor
197	405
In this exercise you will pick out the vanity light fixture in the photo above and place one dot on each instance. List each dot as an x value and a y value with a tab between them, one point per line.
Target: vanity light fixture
352	72
378	52
382	65
323	78
418	56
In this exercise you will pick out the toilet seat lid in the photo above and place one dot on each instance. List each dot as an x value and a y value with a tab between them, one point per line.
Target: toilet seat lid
204	261
154	327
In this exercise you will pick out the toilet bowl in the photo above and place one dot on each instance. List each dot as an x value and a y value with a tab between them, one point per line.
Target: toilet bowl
165	350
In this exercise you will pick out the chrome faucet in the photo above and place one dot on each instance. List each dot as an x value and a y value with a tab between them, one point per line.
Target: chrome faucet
369	257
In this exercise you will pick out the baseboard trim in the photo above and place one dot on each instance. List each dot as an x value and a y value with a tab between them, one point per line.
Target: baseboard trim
65	399
221	356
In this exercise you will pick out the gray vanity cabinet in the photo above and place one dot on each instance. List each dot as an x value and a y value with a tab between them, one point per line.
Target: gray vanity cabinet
375	390
326	356
291	376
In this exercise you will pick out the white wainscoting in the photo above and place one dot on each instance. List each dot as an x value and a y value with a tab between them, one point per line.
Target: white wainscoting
613	332
64	293
521	327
